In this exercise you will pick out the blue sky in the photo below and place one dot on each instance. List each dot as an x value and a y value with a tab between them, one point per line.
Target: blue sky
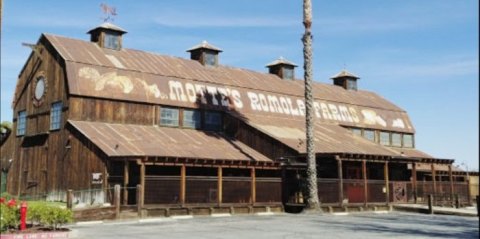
421	55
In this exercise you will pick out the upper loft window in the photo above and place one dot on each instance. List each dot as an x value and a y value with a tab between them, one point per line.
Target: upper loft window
112	41
192	119
351	84
369	134
213	121
21	122
209	59
408	141
56	116
396	140
169	117
288	73
384	138
356	131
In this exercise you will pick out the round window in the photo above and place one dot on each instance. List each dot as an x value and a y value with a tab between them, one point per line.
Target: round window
40	88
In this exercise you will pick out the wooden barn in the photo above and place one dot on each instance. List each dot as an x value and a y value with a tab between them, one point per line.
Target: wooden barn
92	114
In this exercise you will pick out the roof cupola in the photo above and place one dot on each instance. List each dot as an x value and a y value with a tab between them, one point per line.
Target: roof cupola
346	80
282	68
107	35
205	53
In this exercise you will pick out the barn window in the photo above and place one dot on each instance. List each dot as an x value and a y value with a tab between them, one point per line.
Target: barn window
288	73
192	119
168	117
213	121
356	131
351	84
408	141
369	134
56	116
396	140
384	138
112	41
21	122
209	59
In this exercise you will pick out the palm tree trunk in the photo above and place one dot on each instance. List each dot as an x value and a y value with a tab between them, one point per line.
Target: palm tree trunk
312	197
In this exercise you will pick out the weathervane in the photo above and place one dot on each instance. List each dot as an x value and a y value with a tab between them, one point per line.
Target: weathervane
109	12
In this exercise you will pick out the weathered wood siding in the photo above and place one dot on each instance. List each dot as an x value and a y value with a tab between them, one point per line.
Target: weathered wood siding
112	111
42	162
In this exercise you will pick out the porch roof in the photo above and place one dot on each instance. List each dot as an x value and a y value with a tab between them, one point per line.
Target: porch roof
127	140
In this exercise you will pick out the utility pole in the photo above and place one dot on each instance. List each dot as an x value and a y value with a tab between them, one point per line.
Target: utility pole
312	198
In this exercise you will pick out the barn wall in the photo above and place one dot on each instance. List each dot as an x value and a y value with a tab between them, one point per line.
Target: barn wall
37	164
104	110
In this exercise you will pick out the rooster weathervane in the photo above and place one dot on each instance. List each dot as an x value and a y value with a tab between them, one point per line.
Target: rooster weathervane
109	12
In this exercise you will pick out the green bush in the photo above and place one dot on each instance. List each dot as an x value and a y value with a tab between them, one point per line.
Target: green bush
9	217
54	217
35	212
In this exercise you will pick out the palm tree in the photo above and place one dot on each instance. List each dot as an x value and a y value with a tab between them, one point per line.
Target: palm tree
312	194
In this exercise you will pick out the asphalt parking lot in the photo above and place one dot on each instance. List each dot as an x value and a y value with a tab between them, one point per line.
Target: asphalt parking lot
354	225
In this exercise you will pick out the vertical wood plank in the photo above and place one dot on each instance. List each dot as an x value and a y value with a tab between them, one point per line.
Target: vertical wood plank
450	178
414	184
340	180
126	170
219	185
387	182
434	180
253	186
365	187
142	184
183	173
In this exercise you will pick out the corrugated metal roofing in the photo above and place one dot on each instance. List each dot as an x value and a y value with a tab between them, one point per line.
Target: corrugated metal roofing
329	138
139	140
344	73
79	51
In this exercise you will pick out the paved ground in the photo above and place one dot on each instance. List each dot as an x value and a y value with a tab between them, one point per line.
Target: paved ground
354	225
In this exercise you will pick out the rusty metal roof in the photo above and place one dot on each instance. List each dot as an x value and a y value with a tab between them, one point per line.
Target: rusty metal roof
329	138
344	73
110	26
204	45
136	61
279	61
117	140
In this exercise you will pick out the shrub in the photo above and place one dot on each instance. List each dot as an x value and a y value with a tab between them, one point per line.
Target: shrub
35	212
54	217
9	217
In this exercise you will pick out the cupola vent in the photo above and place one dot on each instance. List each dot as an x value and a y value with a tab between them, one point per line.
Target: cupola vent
346	80
205	53
282	68
107	35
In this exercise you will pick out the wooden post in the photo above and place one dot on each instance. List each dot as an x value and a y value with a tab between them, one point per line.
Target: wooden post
469	196
219	186
140	200
183	181
116	199
387	182
365	187
69	199
340	180
142	184
253	186
430	203
434	175
450	177
126	169
414	184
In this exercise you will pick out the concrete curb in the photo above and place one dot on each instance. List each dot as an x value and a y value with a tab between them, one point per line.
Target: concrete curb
221	215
